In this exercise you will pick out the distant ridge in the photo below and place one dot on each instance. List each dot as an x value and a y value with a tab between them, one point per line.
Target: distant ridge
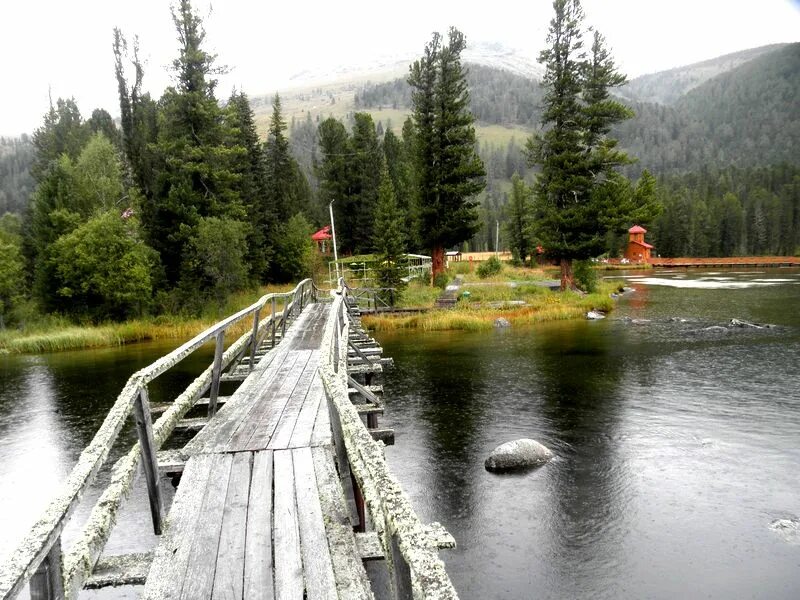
666	87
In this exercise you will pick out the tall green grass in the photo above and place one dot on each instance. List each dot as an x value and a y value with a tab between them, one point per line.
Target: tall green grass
51	333
542	305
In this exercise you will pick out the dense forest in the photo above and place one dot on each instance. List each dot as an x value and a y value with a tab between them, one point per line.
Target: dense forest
737	115
16	182
179	202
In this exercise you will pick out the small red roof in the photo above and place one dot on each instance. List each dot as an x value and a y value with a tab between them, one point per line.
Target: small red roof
645	244
637	229
322	234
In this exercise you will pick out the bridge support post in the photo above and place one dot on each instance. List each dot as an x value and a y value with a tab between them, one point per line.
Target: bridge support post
401	573
47	582
144	427
216	372
254	341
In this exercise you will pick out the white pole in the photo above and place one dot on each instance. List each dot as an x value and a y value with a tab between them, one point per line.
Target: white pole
497	239
333	230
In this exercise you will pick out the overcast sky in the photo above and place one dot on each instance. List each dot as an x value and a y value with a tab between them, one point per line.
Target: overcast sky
65	45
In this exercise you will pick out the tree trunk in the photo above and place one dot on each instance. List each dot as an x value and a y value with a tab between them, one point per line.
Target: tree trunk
567	278
437	256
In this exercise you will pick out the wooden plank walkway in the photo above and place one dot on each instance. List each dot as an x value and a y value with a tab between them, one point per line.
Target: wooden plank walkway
260	512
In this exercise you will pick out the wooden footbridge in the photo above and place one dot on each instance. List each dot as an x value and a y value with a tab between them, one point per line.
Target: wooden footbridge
283	492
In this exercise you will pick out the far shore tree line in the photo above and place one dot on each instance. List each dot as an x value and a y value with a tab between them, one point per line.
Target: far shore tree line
183	204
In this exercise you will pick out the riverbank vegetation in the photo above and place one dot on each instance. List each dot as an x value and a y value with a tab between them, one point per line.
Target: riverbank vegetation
486	304
54	333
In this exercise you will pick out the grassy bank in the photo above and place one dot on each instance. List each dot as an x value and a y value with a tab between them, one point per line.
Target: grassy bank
475	314
54	333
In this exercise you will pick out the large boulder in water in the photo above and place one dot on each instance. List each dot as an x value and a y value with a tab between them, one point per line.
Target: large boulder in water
519	454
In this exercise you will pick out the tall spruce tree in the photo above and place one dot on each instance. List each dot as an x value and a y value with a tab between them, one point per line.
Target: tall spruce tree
279	166
518	225
335	174
261	218
197	176
449	171
576	156
366	162
388	237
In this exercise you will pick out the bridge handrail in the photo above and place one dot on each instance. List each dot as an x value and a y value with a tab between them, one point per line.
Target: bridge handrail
410	547
39	552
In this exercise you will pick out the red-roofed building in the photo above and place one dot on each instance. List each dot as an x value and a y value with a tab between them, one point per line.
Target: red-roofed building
322	239
638	250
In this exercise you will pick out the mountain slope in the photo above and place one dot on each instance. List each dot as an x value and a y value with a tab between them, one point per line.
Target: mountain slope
667	87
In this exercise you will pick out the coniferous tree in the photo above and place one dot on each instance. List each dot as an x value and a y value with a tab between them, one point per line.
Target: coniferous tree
261	217
448	171
389	239
197	175
573	211
336	181
279	166
366	162
518	227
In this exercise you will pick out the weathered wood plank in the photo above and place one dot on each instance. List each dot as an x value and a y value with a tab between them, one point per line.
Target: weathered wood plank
199	579
288	563
258	582
322	434
281	436
124	569
384	435
216	436
317	565
171	557
348	570
369	546
304	426
265	403
229	571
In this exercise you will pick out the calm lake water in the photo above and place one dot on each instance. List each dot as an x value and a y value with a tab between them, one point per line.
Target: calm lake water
677	448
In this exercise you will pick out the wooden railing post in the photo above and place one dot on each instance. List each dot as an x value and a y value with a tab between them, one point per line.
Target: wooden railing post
144	427
47	582
254	341
273	321
216	372
285	312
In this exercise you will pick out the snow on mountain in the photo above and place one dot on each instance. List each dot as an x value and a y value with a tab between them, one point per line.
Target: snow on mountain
389	66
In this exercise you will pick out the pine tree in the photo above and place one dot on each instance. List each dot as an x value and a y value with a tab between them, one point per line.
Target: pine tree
196	176
336	177
389	240
261	218
448	171
279	167
575	204
366	163
518	226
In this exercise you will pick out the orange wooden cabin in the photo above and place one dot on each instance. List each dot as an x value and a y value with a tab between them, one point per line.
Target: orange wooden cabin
637	250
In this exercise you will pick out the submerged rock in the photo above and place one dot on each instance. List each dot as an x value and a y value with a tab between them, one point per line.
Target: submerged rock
595	315
747	324
788	529
501	322
518	454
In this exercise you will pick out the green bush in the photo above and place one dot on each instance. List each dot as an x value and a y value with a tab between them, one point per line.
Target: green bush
441	280
490	267
585	276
